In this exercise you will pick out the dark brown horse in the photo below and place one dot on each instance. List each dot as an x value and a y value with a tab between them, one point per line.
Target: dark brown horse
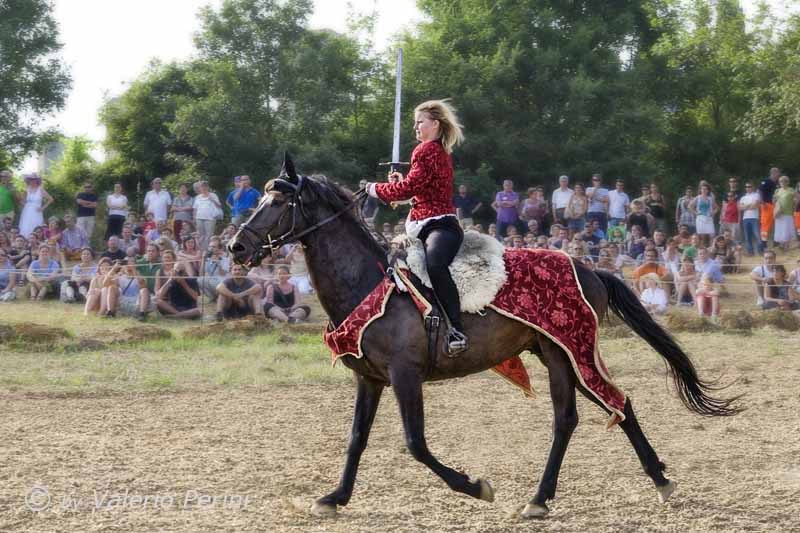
345	263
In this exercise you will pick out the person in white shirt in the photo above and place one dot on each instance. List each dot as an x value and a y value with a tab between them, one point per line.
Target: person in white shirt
560	200
206	210
117	204
749	208
654	298
618	202
762	273
157	201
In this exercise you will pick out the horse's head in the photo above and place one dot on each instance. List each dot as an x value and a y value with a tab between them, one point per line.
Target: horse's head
278	218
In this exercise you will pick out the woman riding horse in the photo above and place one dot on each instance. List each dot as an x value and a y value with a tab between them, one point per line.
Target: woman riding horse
432	218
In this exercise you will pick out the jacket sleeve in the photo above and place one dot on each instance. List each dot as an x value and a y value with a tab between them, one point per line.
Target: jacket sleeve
423	165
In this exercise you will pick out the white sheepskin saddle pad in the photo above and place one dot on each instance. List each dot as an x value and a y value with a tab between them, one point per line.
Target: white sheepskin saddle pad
478	269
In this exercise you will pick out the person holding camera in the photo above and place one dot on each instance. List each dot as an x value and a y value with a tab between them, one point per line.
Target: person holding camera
177	294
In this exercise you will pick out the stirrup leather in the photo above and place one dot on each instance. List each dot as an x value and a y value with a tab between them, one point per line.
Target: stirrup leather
456	342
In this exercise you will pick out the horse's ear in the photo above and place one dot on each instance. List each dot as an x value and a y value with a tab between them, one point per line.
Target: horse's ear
288	167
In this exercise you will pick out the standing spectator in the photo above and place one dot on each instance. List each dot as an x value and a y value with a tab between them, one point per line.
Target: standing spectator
794	280
77	286
684	216
560	200
129	240
245	199
767	191
749	206
783	200
117	204
282	301
43	274
733	186
506	203
369	208
729	215
656	206
618	202
778	293
238	296
157	201
206	207
534	208
8	278
35	200
704	208
706	298
762	273
6	195
73	239
575	212
466	206
177	293
653	297
598	202
797	209
114	252
686	282
643	198
86	201
182	208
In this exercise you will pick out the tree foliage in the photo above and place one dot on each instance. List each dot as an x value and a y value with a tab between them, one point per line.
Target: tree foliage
33	80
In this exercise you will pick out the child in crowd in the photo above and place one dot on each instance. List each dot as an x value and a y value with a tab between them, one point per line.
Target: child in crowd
706	298
653	297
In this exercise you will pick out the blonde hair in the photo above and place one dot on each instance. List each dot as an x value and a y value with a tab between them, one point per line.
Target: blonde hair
450	129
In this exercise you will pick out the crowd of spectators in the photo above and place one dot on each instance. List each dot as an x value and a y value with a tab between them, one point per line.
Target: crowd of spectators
170	260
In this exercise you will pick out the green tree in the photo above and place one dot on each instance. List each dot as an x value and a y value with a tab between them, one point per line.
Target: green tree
33	80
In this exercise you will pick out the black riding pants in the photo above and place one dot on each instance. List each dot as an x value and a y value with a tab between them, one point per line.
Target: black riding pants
442	239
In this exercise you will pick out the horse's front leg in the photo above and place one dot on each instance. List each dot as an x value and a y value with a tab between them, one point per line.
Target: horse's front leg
407	385
368	397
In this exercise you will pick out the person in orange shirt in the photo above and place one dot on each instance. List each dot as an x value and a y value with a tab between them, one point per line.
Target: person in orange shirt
651	265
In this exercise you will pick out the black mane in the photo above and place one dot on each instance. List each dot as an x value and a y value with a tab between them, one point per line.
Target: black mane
338	199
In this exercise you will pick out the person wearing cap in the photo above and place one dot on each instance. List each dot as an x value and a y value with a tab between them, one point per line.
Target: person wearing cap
6	196
35	200
653	297
157	201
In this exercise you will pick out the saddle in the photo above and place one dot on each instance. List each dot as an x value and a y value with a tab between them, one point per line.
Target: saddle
478	269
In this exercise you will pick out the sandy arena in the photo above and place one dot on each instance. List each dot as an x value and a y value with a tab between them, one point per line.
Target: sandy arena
260	456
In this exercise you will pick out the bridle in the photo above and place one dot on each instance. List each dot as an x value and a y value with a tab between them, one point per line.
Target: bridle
266	245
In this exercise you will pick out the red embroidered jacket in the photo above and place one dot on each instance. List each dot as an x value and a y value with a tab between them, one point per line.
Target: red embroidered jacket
429	182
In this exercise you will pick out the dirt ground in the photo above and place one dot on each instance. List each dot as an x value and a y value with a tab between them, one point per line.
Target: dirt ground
282	446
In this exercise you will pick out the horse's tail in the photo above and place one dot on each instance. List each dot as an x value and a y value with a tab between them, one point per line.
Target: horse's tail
694	392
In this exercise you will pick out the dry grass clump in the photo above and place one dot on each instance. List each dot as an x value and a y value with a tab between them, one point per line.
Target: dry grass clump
689	322
252	325
143	333
740	321
32	334
778	319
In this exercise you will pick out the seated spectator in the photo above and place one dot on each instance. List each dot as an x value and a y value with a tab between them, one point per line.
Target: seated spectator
264	273
650	266
778	292
44	275
517	242
76	288
529	240
706	298
794	278
238	296
5	241
166	244
635	242
660	240
691	249
296	260
761	274
727	252
653	297
672	256
492	231
134	294
478	227
561	240
191	255
541	242
114	252
73	239
686	282
148	224
177	293
227	234
534	227
8	278
216	267
639	217
282	301
130	240
97	298
606	263
617	234
20	255
704	264
52	230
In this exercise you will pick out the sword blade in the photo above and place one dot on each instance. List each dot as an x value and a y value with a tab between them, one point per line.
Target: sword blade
397	110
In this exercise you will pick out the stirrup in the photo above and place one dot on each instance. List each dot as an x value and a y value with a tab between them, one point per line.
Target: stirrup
456	342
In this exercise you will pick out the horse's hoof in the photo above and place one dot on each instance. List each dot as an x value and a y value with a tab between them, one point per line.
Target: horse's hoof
487	491
665	491
323	510
534	510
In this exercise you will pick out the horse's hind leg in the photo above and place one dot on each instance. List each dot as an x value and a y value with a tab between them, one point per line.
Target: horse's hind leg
407	385
651	464
368	396
565	420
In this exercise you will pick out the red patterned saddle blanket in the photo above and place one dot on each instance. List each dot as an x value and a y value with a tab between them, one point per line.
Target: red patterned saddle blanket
542	291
